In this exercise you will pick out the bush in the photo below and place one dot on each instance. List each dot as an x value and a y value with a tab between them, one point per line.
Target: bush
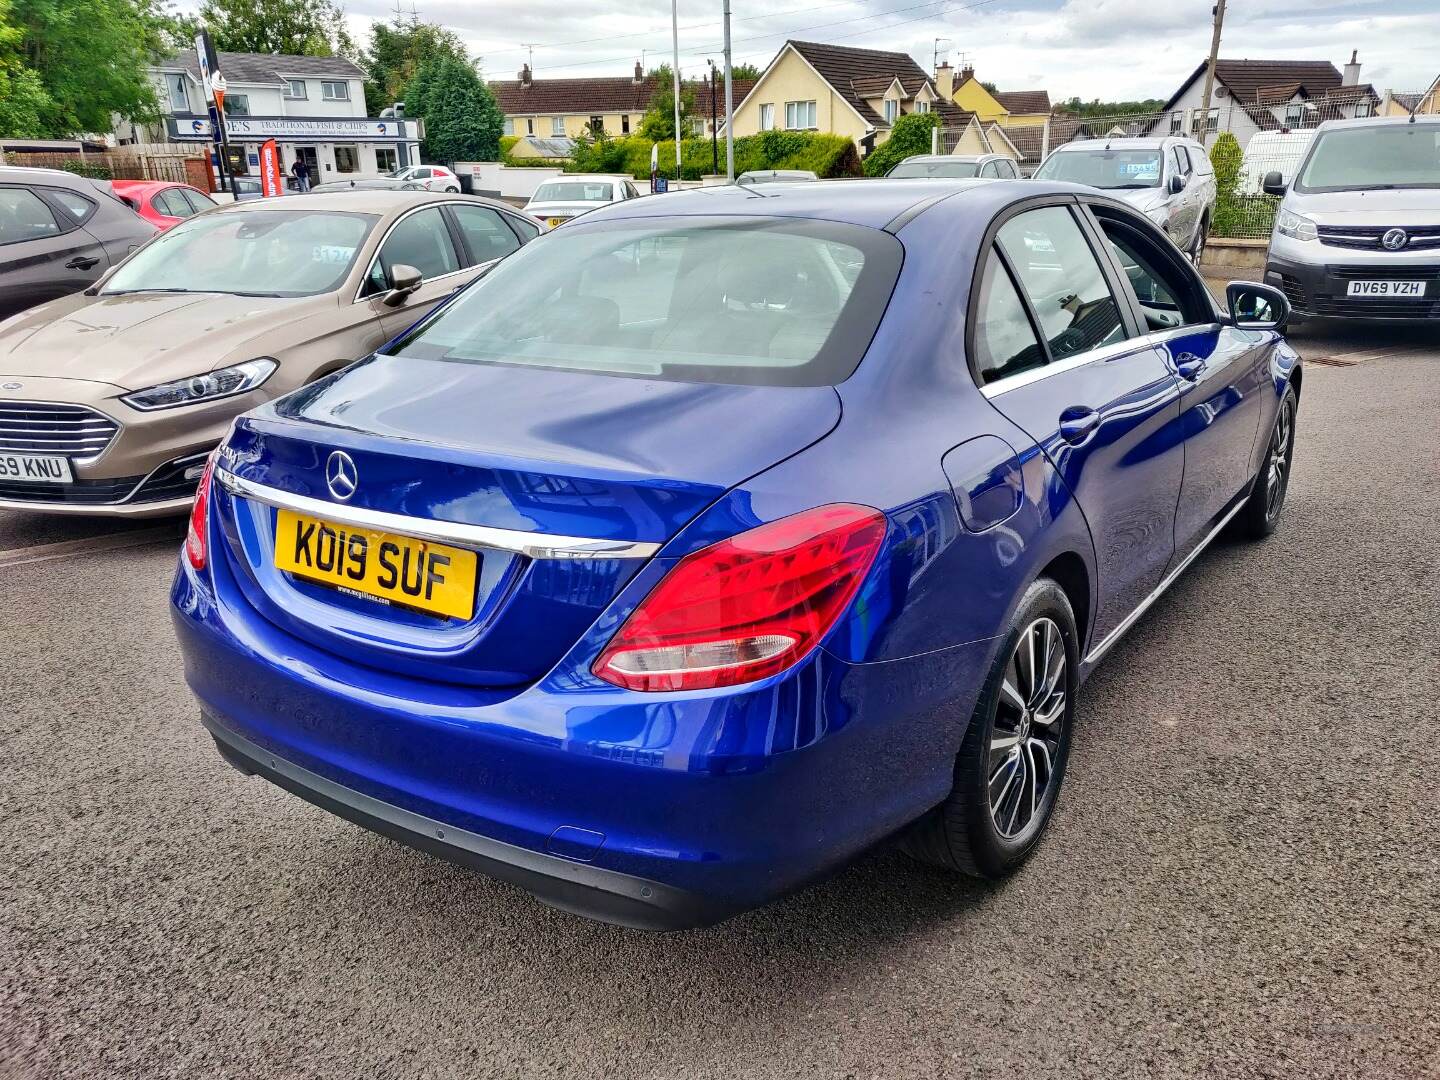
87	169
1226	157
910	135
827	156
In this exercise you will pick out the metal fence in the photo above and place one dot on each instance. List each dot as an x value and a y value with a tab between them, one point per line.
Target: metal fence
1270	134
114	165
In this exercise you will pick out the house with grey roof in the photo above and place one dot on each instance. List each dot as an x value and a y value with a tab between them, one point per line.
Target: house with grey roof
1250	96
312	106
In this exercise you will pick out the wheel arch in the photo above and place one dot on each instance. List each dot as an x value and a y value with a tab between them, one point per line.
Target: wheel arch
1070	572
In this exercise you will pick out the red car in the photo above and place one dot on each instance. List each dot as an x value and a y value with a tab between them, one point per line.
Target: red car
162	202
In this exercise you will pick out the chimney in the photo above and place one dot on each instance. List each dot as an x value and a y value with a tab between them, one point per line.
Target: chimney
966	74
1352	71
525	75
639	73
945	81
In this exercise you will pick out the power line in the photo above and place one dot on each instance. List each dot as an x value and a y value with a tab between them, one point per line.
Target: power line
943	5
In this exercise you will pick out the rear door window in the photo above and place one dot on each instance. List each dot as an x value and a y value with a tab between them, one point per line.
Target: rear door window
1005	342
1061	277
487	237
171	202
78	207
198	202
24	216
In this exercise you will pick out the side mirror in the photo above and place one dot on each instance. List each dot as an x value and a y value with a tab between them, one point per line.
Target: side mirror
1274	184
404	280
1177	183
94	290
1256	307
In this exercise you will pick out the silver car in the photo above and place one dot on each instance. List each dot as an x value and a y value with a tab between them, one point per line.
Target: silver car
1169	180
1357	233
955	167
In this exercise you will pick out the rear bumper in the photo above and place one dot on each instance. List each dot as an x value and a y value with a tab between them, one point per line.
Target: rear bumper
648	810
575	887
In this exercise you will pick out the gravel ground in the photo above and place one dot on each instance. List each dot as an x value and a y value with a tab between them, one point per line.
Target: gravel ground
1242	879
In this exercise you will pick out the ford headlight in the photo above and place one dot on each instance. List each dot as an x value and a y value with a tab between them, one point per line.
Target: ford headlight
1295	226
212	385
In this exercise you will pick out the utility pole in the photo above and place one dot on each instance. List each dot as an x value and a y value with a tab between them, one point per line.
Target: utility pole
675	73
714	124
729	104
1219	14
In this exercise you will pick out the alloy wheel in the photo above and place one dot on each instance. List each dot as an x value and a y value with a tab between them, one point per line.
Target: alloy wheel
1277	472
1025	738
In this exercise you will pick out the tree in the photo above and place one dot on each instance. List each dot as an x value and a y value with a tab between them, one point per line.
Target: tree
658	123
78	63
396	52
462	119
291	27
742	71
910	135
1096	107
1226	157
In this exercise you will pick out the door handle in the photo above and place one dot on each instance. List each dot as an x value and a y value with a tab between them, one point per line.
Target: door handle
1078	423
1189	366
81	262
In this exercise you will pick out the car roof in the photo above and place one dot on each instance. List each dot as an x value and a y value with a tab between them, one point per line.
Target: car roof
27	174
873	203
968	159
1130	142
148	185
362	201
1378	121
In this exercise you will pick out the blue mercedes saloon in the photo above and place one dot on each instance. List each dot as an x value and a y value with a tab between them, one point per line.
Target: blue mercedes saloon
719	536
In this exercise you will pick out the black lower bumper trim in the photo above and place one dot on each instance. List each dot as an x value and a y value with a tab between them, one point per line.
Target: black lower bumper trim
580	889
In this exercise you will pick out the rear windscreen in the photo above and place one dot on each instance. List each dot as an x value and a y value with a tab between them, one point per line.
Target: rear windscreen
766	302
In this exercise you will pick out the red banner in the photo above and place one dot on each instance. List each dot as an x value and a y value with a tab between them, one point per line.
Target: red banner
272	178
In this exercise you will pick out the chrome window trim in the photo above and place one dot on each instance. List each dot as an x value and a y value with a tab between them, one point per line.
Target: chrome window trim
1068	363
456	533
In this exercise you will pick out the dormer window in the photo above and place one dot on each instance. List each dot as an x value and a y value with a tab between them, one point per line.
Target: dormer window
1294	114
892	110
922	106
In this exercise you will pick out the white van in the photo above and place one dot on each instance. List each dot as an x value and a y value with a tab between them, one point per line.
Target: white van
1272	151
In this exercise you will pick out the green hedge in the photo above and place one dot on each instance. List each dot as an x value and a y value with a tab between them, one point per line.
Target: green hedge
827	156
910	135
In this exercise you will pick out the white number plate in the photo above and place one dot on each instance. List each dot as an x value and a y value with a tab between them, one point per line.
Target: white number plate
35	468
1386	288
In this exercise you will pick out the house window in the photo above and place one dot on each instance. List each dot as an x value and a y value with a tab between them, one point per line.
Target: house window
509	128
237	104
1294	114
335	91
892	110
384	159
1364	109
295	89
697	125
529	125
175	86
767	117
1210	119
922	106
1177	121
597	126
347	159
625	124
557	126
799	115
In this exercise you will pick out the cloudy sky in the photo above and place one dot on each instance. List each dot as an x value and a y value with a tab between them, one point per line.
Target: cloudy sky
1111	49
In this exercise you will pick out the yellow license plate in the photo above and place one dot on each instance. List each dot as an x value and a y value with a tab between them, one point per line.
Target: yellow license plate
554	221
396	569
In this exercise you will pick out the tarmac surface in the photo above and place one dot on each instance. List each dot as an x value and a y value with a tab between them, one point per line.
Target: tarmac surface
1241	879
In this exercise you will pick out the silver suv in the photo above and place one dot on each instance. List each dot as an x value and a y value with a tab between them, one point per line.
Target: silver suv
1168	180
1357	234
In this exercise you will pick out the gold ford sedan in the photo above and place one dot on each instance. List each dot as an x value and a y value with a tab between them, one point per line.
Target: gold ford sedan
111	399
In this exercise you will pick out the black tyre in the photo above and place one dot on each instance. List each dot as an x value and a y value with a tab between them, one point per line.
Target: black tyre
1197	249
1012	761
1267	498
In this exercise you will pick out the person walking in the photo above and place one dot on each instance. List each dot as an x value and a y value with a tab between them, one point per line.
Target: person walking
301	172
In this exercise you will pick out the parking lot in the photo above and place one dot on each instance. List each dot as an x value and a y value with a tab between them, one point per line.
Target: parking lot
1241	880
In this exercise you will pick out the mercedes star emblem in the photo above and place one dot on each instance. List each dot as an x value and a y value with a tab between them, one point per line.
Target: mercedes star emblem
341	475
1394	239
11	386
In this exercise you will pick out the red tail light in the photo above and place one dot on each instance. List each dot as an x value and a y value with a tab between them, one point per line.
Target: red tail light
747	607
199	519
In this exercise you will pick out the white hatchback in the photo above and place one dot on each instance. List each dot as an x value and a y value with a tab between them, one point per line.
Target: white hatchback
557	201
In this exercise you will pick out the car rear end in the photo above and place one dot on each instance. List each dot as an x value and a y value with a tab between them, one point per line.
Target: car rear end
532	607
